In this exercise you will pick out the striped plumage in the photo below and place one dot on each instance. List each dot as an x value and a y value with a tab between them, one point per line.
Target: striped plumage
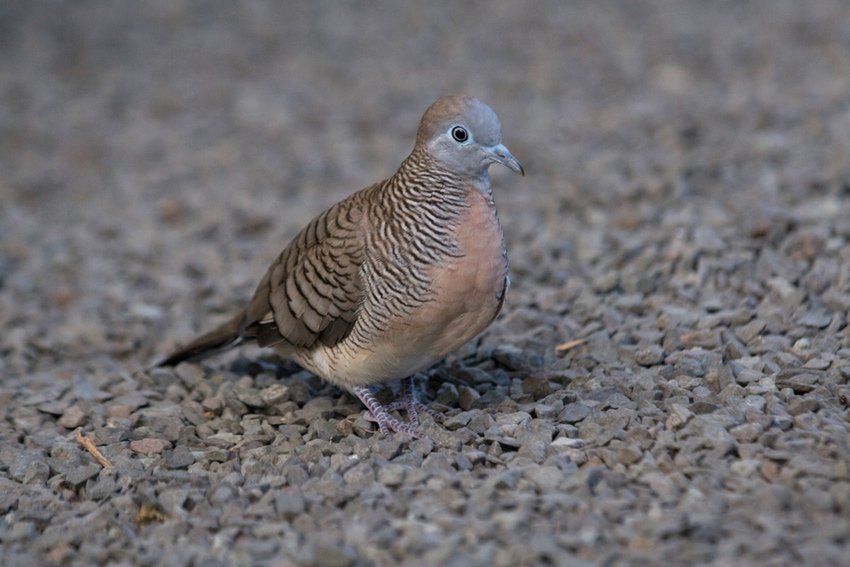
391	279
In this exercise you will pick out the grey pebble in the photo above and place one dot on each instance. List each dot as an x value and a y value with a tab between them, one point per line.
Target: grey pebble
448	395
392	474
79	475
801	406
537	386
574	412
325	553
545	411
534	449
72	417
801	382
649	355
815	318
289	502
458	420
751	330
178	458
467	398
29	467
104	487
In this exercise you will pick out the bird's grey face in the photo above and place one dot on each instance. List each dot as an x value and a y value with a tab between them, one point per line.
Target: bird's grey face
464	135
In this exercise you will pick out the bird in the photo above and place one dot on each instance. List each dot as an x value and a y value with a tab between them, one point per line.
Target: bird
388	281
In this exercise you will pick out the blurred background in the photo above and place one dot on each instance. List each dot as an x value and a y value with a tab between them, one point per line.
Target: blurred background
155	156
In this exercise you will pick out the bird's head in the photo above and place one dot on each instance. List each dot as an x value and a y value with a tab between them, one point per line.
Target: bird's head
464	135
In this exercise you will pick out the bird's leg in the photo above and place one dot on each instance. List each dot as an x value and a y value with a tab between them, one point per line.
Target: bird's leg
409	402
386	422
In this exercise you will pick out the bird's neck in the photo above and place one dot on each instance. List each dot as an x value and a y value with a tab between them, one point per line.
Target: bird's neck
422	205
422	178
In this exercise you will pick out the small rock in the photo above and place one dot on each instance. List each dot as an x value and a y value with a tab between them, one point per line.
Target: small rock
437	462
544	478
512	419
649	356
515	358
72	417
744	376
800	382
328	554
703	407
662	485
457	421
567	443
274	394
629	454
783	422
818	319
392	474
533	449
213	404
799	406
103	488
544	411
447	395
54	407
29	467
250	397
750	331
79	475
784	291
770	470
817	364
475	375
481	423
705	338
121	411
757	403
289	502
745	467
606	282
733	349
222	494
746	432
574	412
317	408
537	386
467	397
180	457
149	445
190	374
802	346
679	416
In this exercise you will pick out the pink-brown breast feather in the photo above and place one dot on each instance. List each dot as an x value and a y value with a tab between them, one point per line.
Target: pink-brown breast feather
469	289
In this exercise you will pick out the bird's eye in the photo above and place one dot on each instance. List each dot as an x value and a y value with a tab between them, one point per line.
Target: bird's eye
460	134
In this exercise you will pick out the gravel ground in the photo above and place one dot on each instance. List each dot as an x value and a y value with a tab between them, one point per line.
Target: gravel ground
682	234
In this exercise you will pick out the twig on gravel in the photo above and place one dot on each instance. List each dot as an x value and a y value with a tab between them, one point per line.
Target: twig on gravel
89	445
563	348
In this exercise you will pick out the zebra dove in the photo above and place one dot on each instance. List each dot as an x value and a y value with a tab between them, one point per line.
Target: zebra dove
388	281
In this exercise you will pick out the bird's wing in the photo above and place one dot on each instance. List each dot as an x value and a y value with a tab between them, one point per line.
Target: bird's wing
313	290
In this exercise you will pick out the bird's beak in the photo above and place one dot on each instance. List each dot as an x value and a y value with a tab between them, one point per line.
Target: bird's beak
501	154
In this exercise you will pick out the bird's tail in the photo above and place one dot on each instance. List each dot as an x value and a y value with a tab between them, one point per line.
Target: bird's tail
218	340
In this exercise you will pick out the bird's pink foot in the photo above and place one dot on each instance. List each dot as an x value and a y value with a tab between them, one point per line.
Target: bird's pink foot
381	414
410	403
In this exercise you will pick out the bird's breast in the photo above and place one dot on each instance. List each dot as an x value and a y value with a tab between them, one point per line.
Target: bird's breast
468	290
